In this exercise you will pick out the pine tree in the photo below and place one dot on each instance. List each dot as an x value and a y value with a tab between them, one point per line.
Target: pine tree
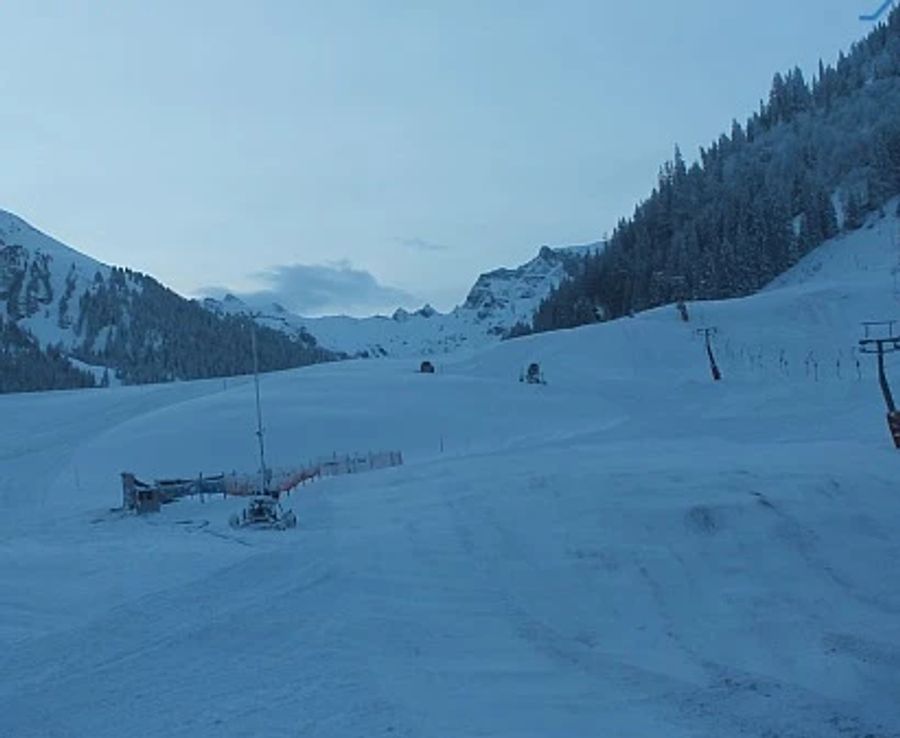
725	224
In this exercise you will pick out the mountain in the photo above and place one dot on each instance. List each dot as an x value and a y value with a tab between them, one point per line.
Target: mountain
499	304
816	156
39	276
67	320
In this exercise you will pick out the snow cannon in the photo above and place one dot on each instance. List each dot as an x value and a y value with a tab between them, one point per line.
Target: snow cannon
264	512
533	375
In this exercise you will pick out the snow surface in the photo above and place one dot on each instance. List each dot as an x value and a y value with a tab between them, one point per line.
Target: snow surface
630	550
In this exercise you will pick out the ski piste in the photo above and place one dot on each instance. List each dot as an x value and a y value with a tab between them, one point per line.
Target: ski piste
631	545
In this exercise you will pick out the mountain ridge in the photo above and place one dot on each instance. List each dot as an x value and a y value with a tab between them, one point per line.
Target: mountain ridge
68	320
500	301
69	316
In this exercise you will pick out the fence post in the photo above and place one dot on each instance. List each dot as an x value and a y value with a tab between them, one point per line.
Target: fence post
128	491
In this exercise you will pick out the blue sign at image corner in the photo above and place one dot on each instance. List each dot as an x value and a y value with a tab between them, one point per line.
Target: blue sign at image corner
878	13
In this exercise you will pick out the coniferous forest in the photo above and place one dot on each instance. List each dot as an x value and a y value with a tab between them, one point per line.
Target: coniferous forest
25	367
815	158
150	334
143	332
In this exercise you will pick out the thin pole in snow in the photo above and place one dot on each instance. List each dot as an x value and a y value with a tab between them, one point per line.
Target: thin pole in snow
259	425
707	333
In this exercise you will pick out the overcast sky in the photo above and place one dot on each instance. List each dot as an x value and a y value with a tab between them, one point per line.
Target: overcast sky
349	156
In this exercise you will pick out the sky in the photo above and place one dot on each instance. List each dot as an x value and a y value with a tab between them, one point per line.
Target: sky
350	157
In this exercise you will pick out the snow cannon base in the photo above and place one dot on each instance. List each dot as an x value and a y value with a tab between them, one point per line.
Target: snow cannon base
264	512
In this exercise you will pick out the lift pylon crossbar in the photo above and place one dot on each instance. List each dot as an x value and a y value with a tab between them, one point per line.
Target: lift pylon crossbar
879	345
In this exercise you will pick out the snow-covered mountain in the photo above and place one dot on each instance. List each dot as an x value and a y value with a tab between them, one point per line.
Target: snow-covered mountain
67	320
117	324
42	280
498	302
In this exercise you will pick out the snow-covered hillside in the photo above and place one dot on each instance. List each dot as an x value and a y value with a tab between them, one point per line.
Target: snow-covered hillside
630	550
42	280
498	302
67	320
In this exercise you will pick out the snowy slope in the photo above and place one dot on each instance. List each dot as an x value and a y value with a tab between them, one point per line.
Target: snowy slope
41	281
498	301
58	306
631	550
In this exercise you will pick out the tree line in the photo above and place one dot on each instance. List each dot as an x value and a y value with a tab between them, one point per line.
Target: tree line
813	159
25	367
144	332
148	333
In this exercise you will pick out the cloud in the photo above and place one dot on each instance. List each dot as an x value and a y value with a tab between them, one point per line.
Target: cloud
421	244
322	289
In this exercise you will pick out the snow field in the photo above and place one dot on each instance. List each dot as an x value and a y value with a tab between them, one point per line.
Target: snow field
631	550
